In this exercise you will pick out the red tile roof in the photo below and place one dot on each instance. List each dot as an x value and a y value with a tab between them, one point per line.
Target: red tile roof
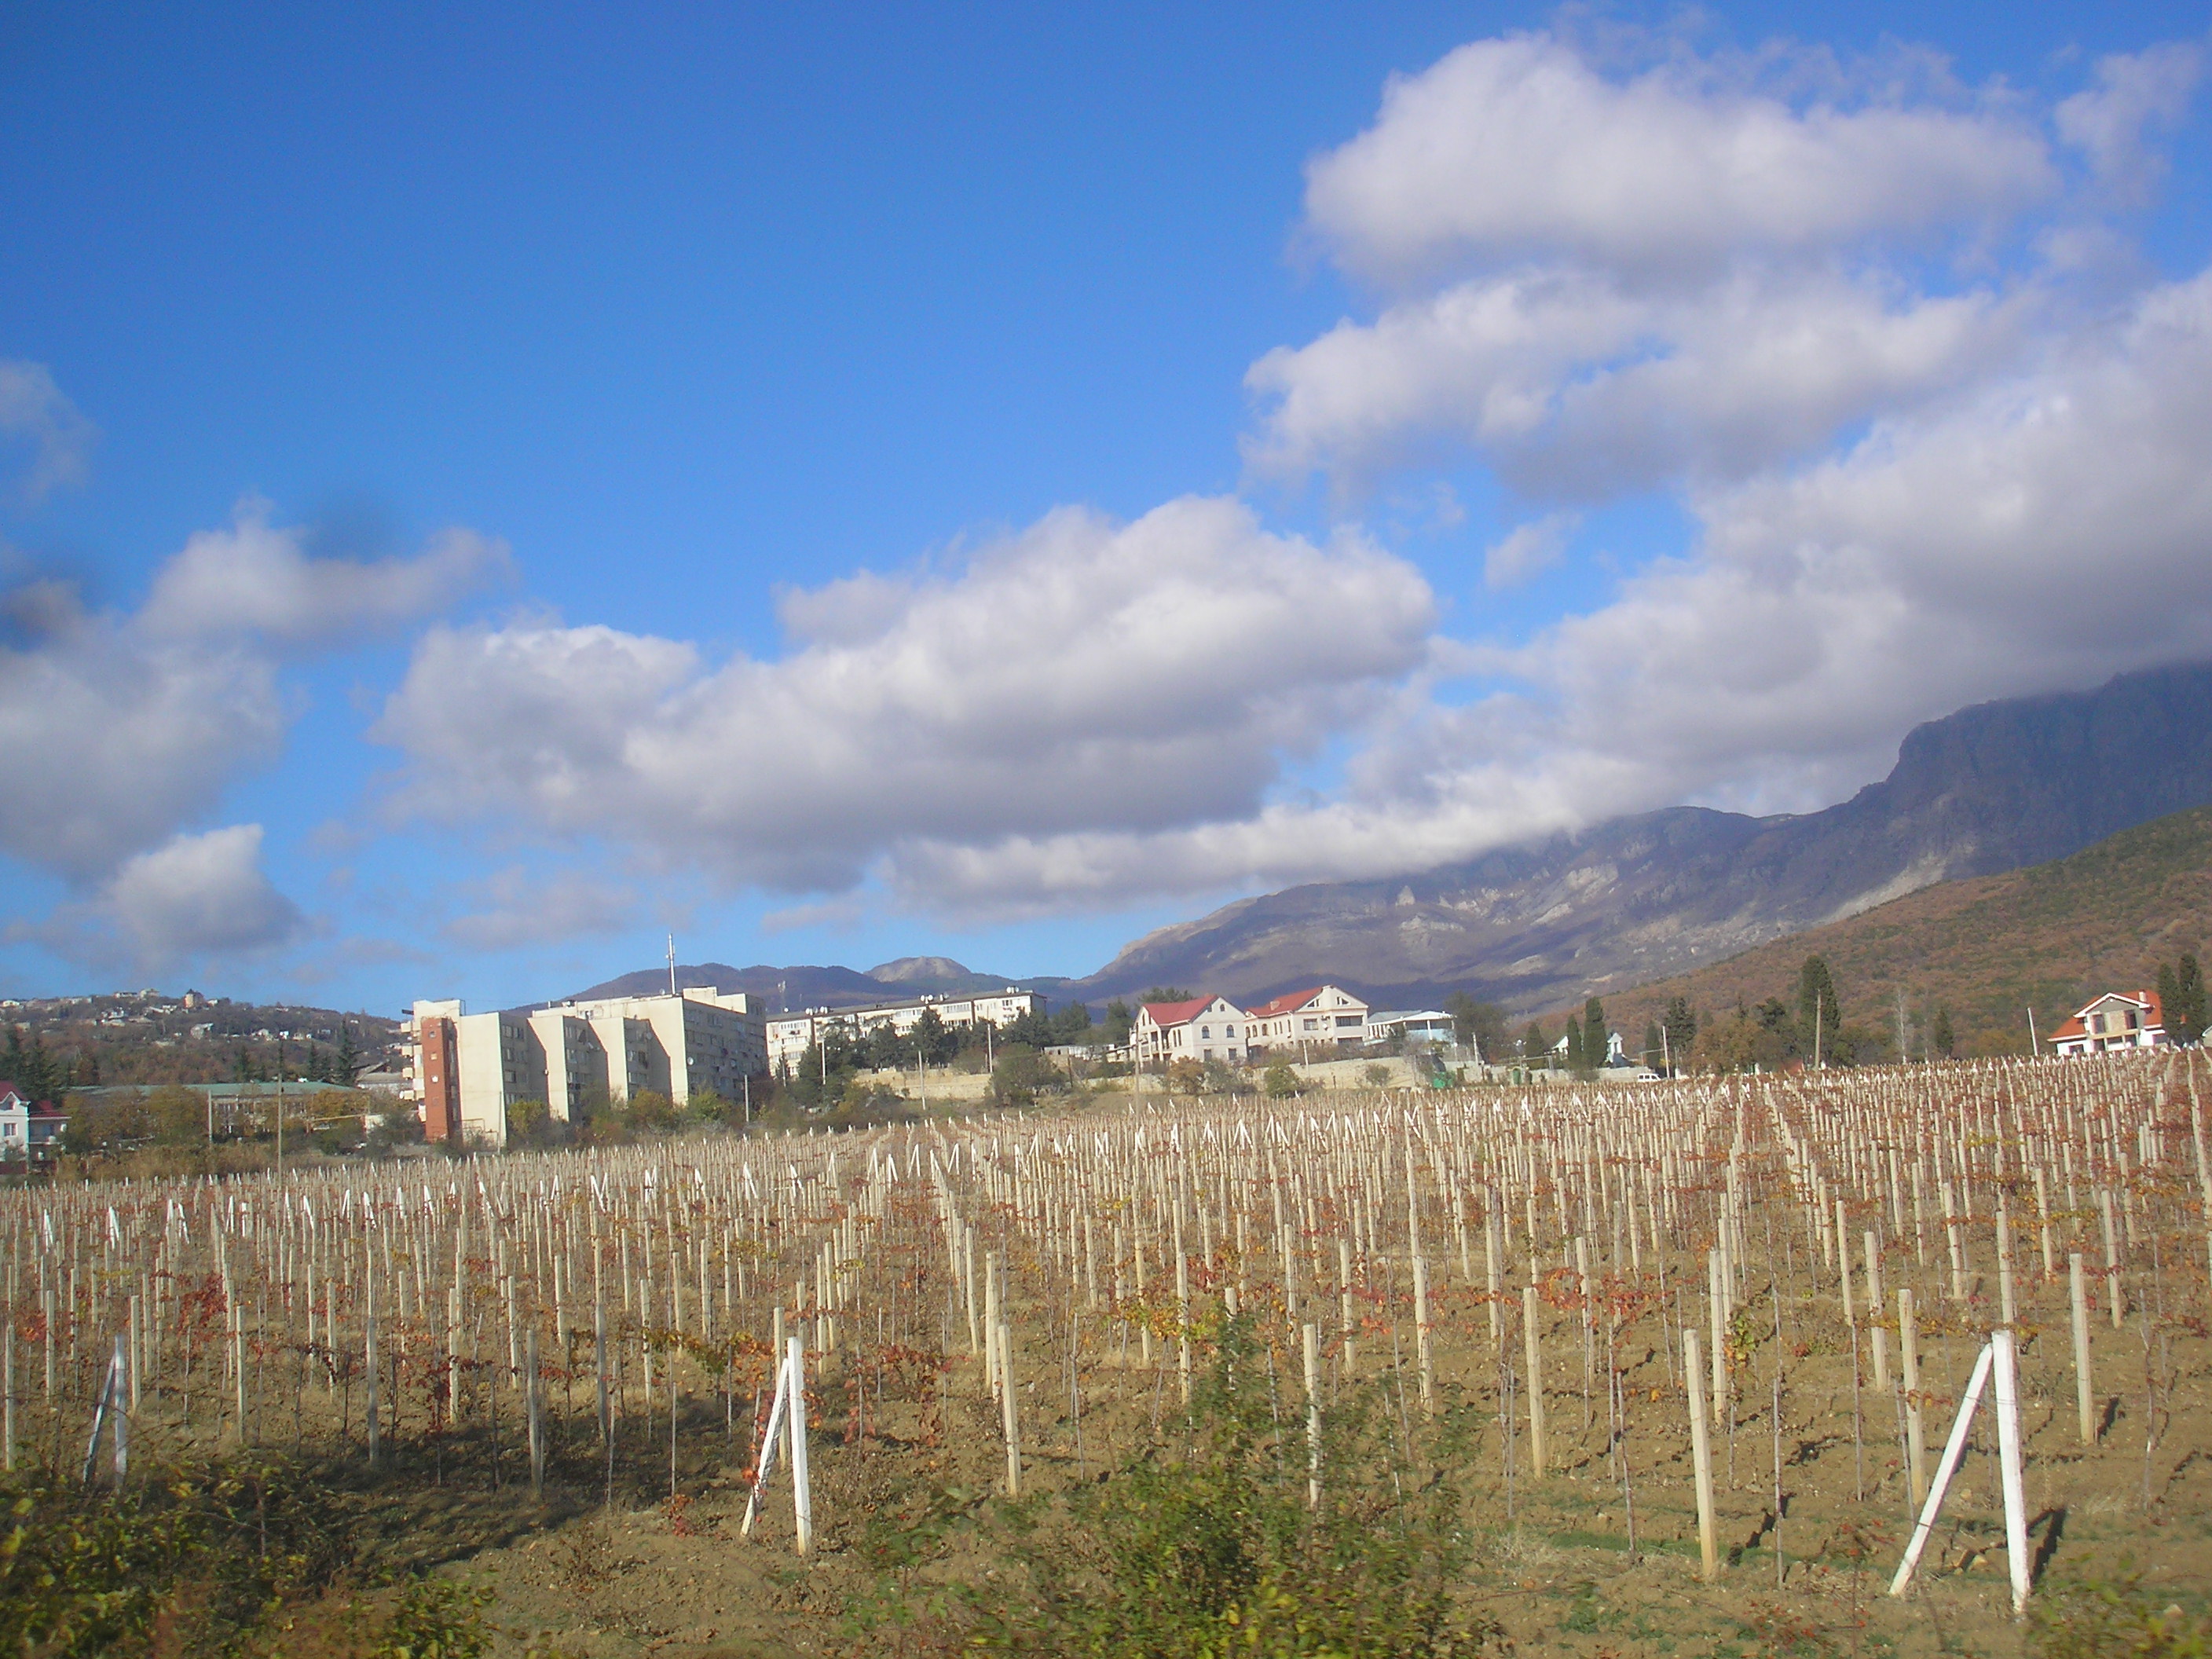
1175	1014
1289	1003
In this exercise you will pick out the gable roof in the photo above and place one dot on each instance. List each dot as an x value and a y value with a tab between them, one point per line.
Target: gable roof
1176	1014
2077	1024
1289	1003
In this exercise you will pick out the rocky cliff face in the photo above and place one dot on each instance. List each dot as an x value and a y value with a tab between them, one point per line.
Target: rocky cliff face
1990	788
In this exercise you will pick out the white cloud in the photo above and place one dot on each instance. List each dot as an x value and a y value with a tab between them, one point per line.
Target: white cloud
1080	674
201	895
194	898
1572	386
523	910
1519	147
259	578
110	740
34	411
1527	550
2134	91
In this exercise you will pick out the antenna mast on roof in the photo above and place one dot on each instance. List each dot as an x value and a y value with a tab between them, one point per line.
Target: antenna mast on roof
672	964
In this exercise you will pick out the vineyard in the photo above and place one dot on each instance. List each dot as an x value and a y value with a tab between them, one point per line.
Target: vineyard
1658	1368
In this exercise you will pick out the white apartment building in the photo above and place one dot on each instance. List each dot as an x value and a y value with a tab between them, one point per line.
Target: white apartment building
465	1070
790	1035
1202	1028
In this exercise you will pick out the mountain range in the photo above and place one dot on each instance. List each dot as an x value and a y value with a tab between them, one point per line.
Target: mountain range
1996	787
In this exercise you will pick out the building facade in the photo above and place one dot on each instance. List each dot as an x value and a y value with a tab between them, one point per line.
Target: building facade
1325	1020
790	1035
2117	1020
1202	1028
464	1071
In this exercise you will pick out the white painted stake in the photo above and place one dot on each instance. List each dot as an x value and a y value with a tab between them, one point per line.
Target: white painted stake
1701	1455
2008	1467
1953	1450
802	1494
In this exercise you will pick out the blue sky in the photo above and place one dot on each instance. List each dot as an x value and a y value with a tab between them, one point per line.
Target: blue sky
482	492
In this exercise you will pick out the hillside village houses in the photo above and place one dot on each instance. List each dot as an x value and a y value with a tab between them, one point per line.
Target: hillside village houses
464	1071
790	1035
2117	1020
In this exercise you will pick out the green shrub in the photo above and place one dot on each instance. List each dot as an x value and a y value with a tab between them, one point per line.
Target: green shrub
1205	1545
2099	1618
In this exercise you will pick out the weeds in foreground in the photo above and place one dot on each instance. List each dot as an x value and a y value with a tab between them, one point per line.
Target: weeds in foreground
1204	1544
2112	1619
242	1560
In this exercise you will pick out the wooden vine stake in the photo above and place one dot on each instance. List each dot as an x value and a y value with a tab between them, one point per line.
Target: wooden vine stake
1701	1453
2000	1357
786	1421
2084	1390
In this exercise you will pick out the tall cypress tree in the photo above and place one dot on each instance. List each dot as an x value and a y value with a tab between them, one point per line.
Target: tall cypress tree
1817	1004
1595	1045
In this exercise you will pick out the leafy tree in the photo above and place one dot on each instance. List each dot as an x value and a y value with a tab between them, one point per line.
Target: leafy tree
1120	1017
1652	1045
1595	1044
1166	994
1532	1041
937	1042
1021	1075
1281	1082
1482	1024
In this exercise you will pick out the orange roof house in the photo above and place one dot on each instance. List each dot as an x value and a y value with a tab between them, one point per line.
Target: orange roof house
2117	1020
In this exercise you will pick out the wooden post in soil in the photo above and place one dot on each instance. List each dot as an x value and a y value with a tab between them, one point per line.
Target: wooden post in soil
1701	1456
2084	1389
1916	1438
1009	1409
1312	1356
1533	1341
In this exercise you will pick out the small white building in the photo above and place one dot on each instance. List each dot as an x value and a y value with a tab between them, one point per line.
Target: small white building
1202	1028
1415	1025
2117	1020
26	1133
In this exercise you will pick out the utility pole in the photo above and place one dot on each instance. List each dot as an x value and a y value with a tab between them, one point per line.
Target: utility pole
672	964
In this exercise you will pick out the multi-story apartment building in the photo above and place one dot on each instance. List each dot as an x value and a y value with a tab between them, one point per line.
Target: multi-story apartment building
465	1070
790	1035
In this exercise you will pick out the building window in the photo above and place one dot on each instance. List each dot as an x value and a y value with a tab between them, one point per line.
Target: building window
1205	1031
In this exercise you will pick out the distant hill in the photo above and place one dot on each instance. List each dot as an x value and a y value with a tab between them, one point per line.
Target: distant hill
1989	949
1995	788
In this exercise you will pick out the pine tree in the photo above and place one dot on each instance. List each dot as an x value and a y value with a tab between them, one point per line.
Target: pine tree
1574	1041
1679	1027
1940	1036
1595	1045
1531	1041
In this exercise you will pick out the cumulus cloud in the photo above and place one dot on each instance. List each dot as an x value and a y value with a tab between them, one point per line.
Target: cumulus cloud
118	728
522	910
1079	675
1520	147
255	577
1601	282
192	898
36	413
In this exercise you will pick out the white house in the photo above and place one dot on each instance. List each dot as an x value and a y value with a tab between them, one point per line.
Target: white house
1326	1018
26	1131
1202	1028
2117	1020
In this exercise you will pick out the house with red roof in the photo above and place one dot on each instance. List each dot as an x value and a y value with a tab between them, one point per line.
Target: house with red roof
1202	1028
1322	1019
28	1128
2117	1020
